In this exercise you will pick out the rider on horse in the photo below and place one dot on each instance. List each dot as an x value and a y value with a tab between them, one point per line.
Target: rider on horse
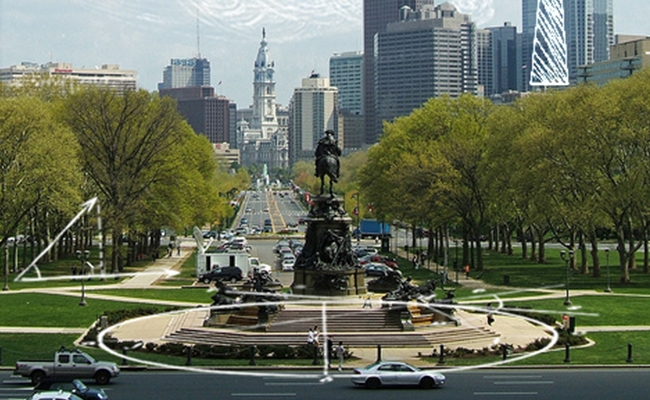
328	146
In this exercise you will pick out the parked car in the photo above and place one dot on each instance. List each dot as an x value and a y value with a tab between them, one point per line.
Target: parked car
280	244
288	263
228	273
396	373
54	395
285	251
363	250
76	387
376	269
384	260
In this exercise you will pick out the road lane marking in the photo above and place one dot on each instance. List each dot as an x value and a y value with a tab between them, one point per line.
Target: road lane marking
505	393
512	377
524	383
293	383
258	395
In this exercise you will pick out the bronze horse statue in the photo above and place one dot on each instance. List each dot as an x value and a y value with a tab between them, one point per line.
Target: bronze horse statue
327	165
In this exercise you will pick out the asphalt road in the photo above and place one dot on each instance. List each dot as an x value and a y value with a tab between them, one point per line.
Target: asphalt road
553	384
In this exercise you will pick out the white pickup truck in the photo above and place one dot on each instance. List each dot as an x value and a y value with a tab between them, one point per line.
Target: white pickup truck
68	364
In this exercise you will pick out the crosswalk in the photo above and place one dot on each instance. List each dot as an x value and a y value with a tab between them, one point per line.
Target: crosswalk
15	388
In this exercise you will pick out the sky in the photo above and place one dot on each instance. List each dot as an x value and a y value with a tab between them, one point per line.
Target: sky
143	35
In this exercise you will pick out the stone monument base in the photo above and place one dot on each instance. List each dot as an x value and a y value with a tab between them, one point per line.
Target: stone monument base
309	282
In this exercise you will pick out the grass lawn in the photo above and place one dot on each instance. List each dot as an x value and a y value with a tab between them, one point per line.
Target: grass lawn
32	346
610	310
48	310
527	273
610	349
187	274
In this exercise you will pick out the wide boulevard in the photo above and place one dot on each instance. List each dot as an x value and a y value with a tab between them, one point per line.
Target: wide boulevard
574	383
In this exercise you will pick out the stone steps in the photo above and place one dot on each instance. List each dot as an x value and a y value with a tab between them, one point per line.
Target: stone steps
337	320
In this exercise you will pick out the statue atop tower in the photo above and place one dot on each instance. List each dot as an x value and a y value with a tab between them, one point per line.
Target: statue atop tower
264	117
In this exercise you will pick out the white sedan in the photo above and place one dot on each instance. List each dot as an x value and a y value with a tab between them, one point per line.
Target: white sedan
396	373
288	263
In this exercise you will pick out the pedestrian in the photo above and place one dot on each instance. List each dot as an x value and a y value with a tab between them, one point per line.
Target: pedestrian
170	249
310	337
490	316
340	353
330	351
178	247
367	303
415	261
316	336
466	271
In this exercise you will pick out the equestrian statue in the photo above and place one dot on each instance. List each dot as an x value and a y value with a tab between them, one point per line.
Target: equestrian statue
327	160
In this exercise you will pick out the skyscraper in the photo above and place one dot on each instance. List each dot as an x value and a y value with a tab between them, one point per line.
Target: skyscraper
590	32
186	72
506	56
549	64
528	19
430	54
313	110
207	114
376	15
346	71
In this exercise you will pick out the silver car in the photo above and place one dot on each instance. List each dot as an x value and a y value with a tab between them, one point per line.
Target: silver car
396	373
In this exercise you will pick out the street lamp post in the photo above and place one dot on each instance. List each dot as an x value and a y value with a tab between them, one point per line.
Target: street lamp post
83	256
567	259
456	259
6	268
608	289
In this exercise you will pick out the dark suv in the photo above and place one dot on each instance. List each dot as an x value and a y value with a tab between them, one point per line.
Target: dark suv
232	274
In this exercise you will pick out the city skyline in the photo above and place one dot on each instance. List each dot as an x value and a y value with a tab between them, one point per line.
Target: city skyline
145	35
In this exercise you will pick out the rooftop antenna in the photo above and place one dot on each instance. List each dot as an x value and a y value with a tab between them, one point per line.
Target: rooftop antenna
198	34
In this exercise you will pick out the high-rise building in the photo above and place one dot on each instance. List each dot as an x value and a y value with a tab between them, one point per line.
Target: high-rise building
109	75
207	114
376	15
549	64
528	21
590	32
186	72
313	110
346	71
506	58
188	82
429	54
485	62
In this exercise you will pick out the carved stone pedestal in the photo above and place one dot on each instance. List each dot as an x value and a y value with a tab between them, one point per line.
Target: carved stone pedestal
327	266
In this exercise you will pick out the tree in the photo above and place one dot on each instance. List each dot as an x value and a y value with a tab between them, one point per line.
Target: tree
127	149
39	167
